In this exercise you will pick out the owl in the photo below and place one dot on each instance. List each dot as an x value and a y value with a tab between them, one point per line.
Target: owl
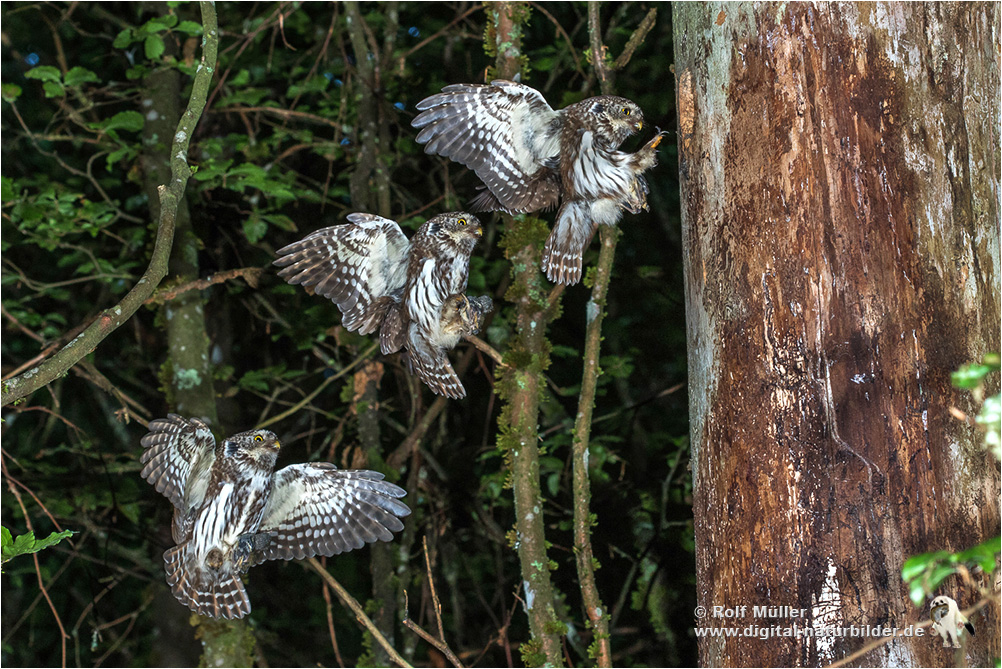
531	157
426	358
232	510
382	282
948	621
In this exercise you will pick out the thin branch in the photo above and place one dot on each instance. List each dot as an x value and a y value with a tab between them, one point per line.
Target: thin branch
598	616
356	608
560	29
440	642
401	452
287	113
248	274
170	196
636	39
63	636
309	398
485	347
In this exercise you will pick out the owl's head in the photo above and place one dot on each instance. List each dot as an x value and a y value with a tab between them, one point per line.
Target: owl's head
459	227
259	445
619	117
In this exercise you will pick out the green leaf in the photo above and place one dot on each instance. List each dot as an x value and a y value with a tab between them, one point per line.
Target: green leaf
53	89
189	27
969	376
80	75
154	46
127	120
10	92
26	543
44	73
6	189
255	228
123	39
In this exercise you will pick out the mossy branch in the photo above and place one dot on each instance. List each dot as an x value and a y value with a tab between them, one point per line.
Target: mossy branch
598	617
170	195
520	377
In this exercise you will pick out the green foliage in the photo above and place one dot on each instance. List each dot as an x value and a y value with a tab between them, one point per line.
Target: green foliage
274	155
924	573
26	544
973	377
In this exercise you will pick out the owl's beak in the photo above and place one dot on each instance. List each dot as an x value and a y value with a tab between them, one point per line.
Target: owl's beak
478	231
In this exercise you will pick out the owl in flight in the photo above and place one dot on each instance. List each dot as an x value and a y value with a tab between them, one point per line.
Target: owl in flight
232	511
411	292
529	157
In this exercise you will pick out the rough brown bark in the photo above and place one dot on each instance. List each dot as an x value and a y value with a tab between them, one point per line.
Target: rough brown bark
839	172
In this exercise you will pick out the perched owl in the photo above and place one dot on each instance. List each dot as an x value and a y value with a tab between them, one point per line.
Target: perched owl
530	157
948	621
232	511
380	281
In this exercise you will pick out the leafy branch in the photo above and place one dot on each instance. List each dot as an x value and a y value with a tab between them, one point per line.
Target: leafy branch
170	195
25	544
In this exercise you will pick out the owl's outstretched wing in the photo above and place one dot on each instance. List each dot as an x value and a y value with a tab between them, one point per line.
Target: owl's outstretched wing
178	455
318	509
360	266
506	133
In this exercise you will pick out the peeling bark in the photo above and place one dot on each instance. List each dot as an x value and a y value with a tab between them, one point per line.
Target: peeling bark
839	171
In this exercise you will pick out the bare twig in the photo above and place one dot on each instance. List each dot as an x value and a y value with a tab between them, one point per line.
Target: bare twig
248	274
170	196
330	625
356	608
329	380
440	642
636	39
485	347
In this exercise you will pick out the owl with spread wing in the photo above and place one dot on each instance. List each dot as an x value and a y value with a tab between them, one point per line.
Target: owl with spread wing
382	282
530	157
232	511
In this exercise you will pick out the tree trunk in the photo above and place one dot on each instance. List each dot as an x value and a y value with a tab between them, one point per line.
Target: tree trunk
187	372
839	173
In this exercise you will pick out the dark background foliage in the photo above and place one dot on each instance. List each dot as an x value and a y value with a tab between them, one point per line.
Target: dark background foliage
275	150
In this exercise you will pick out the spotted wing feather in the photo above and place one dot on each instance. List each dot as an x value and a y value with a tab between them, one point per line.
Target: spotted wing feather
317	509
506	133
360	266
178	455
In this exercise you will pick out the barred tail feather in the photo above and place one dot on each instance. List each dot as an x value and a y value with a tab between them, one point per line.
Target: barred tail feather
436	373
224	597
565	247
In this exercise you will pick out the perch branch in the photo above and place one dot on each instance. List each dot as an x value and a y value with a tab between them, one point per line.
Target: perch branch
170	194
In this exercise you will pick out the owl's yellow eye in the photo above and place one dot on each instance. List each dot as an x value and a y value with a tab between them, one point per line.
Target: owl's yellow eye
462	221
626	111
258	437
